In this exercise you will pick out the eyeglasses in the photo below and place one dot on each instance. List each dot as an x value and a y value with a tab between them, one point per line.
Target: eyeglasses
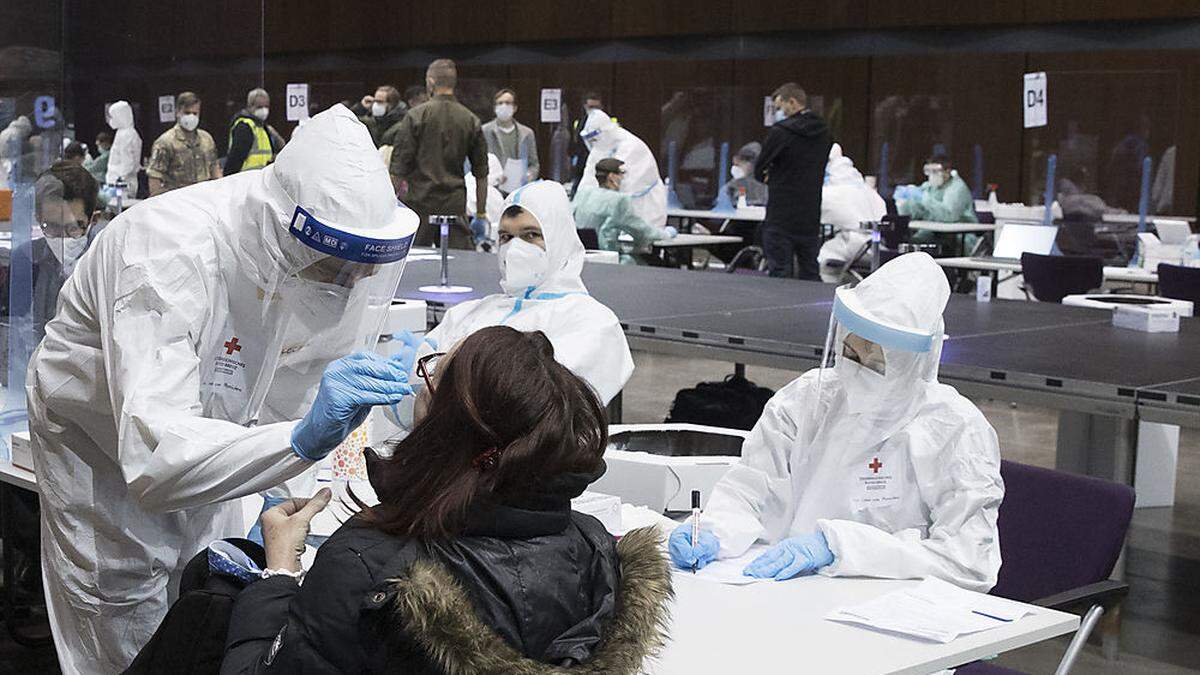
76	228
427	366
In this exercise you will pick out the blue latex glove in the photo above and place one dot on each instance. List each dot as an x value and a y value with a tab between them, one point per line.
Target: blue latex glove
349	387
479	228
410	345
671	231
794	556
686	555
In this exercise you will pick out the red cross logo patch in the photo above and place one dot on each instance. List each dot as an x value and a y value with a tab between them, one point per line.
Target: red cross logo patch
233	346
875	465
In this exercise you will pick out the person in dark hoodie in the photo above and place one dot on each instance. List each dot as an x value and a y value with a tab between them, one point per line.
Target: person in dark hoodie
473	561
792	164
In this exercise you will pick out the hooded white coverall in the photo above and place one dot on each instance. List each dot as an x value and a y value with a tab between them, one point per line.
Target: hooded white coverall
900	473
846	201
642	180
586	335
125	157
142	394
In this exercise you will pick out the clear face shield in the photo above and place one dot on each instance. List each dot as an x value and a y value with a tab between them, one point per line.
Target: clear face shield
861	343
321	310
935	173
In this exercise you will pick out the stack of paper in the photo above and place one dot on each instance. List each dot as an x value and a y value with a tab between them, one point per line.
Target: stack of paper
729	570
932	610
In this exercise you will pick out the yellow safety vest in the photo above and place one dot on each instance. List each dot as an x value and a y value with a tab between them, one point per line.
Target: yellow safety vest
260	153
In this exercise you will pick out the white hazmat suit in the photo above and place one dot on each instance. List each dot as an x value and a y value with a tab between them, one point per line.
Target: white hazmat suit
846	201
125	157
586	335
642	181
189	339
900	473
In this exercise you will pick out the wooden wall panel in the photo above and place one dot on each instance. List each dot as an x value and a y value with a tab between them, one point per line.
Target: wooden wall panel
559	20
837	89
458	22
638	18
913	13
922	102
575	79
1107	109
761	16
1046	11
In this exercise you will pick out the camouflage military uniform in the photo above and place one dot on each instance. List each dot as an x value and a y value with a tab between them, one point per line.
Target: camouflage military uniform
180	158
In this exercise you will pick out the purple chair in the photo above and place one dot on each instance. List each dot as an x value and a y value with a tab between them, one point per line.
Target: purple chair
1053	277
1181	283
1060	537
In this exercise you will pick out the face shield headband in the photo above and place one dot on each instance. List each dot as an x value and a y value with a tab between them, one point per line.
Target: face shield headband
341	244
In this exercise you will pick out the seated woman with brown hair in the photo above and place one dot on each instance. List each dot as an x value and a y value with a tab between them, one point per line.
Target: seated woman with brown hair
473	561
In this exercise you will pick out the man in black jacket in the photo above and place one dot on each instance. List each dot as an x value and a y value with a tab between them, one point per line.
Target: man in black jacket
792	164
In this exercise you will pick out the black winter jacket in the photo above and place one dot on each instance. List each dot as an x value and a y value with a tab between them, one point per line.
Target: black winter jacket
521	590
792	164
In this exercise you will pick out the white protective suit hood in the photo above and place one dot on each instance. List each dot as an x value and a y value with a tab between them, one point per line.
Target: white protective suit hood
900	307
547	202
120	115
642	181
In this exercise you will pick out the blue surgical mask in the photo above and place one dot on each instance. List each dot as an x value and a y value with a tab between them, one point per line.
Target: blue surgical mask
780	115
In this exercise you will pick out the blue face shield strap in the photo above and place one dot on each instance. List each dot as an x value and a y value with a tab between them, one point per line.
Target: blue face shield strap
890	337
352	247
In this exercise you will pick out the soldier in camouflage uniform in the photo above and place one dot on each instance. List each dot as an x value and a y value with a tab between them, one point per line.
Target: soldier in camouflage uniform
184	154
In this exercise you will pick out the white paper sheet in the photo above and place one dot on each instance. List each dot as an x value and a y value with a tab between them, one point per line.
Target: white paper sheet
729	570
933	610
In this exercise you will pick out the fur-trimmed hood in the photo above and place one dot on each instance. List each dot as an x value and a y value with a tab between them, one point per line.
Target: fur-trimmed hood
434	612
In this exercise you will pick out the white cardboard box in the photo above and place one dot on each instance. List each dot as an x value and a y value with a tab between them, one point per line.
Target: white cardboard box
1147	319
22	450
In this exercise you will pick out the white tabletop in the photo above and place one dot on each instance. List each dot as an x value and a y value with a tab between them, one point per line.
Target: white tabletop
1111	272
951	228
780	627
15	475
684	240
1133	218
754	214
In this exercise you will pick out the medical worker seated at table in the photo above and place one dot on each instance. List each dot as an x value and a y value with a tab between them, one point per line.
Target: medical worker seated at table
541	259
608	211
942	198
869	468
642	181
182	370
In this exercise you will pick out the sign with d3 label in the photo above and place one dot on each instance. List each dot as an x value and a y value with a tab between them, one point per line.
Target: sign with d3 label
1034	100
297	102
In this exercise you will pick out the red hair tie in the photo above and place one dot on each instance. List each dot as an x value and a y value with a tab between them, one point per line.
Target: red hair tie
488	459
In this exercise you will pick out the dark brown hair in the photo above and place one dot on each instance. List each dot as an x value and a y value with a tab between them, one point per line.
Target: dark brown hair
499	395
77	183
443	72
184	99
791	90
504	91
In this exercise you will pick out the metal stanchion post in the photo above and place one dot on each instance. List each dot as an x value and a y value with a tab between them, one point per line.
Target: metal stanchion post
443	225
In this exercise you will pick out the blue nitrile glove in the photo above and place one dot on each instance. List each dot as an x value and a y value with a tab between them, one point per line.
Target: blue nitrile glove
791	557
671	231
349	387
411	344
255	534
686	555
479	228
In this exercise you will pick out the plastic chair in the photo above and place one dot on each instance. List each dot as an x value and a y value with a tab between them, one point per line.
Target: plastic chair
1180	283
590	239
1053	277
1060	537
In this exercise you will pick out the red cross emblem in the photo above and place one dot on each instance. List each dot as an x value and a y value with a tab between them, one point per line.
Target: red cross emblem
875	466
233	346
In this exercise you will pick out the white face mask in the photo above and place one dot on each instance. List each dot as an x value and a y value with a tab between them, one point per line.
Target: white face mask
378	109
522	265
261	113
67	250
504	111
937	179
864	387
189	122
780	115
737	172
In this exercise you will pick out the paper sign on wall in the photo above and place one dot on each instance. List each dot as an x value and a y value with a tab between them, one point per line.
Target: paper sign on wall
1034	100
297	102
166	109
551	106
768	111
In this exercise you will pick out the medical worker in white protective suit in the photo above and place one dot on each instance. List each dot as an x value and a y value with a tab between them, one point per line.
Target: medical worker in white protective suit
871	468
188	342
846	201
125	157
605	138
541	259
